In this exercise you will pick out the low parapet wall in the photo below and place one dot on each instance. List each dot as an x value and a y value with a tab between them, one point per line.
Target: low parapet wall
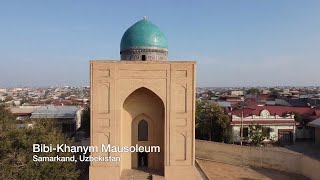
259	157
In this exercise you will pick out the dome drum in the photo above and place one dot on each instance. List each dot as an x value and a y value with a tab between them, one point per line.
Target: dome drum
144	54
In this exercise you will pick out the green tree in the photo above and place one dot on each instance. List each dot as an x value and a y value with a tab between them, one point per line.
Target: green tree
297	117
6	119
274	92
85	121
210	94
257	133
211	122
48	101
26	100
253	91
16	156
8	98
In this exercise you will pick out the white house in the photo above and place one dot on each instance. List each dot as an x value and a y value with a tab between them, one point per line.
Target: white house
237	93
280	128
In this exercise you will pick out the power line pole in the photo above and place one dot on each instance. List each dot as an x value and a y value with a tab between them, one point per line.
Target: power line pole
241	130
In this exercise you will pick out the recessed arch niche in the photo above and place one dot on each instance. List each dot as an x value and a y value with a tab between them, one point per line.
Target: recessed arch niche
145	108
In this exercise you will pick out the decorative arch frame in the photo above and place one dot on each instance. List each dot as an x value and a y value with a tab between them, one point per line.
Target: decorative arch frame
264	113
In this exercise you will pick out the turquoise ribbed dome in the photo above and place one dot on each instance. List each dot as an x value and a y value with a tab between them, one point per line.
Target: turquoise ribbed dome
143	33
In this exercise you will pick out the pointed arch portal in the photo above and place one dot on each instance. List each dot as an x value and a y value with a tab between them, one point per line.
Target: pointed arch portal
145	103
142	123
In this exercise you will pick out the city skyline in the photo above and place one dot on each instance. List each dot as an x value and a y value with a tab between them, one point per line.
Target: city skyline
235	43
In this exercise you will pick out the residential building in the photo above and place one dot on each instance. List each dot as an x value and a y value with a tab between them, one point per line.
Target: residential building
316	125
23	112
69	117
237	93
280	128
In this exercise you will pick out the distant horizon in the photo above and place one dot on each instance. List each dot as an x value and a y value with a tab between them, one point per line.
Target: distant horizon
57	86
235	43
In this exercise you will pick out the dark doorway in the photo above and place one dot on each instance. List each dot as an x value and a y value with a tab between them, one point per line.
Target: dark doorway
143	131
143	57
142	159
285	137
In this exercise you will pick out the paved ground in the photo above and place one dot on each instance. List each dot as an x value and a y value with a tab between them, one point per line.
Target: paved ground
305	147
215	170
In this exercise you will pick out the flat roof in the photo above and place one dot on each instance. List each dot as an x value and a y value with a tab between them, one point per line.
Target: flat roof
315	123
16	110
57	112
134	62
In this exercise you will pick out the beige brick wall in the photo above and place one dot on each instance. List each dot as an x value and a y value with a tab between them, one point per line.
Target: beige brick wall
161	92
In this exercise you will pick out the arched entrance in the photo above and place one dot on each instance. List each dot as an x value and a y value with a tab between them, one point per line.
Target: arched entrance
142	124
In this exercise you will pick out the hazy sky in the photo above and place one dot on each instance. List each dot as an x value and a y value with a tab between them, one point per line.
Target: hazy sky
235	43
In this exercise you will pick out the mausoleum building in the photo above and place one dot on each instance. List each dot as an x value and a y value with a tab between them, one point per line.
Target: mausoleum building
144	100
